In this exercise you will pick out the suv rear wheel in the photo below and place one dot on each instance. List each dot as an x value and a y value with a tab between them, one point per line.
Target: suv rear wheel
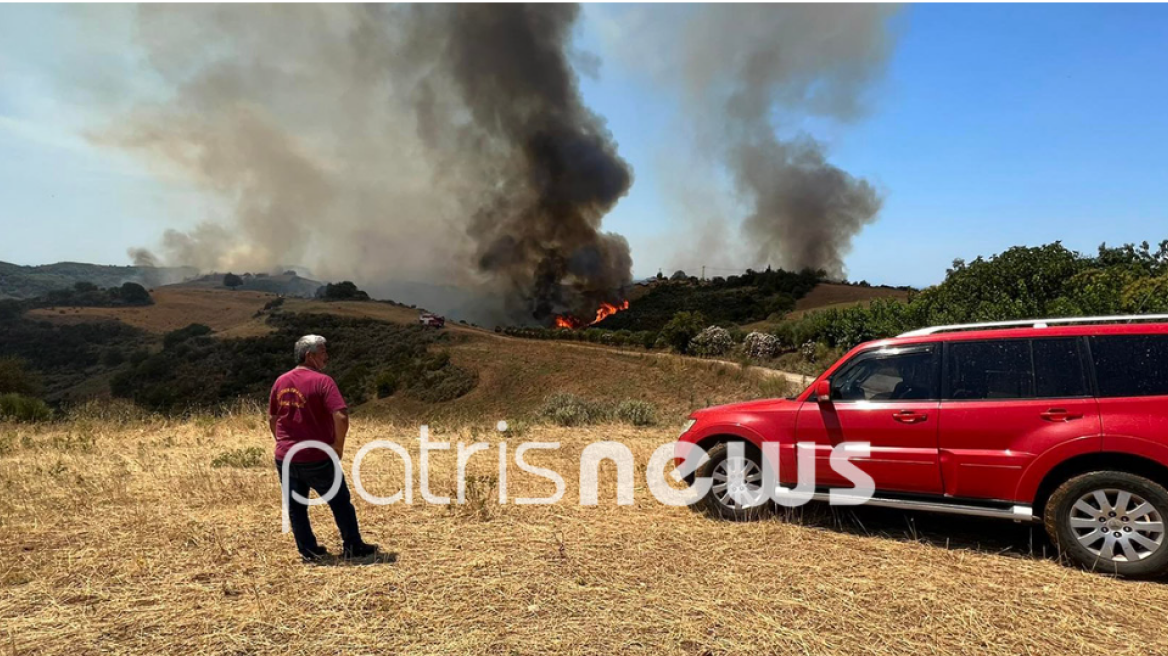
721	468
1111	522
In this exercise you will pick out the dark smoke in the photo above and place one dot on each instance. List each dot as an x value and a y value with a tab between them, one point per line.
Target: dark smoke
386	144
540	233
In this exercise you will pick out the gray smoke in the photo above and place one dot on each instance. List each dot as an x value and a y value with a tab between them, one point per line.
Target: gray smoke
751	77
383	144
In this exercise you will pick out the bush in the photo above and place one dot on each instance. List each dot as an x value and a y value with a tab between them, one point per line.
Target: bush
246	458
637	413
681	330
567	409
181	335
16	379
131	293
760	346
444	384
342	291
385	384
16	407
712	341
231	280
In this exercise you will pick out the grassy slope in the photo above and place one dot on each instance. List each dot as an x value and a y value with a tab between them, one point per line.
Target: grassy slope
515	375
122	539
831	295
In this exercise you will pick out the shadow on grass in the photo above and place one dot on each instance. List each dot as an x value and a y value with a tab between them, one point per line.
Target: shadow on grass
980	534
379	558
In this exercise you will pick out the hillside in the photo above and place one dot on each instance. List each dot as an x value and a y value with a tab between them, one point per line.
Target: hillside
17	281
734	300
513	376
831	295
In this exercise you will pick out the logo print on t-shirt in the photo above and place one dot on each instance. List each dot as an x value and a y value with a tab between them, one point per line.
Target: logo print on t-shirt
290	397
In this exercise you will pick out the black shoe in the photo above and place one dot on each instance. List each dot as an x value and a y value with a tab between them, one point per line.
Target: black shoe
315	554
360	550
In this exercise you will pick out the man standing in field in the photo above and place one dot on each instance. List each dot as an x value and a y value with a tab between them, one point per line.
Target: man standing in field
306	405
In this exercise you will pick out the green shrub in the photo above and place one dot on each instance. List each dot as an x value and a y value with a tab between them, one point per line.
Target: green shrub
15	378
16	407
245	458
637	413
567	409
681	330
181	335
385	384
444	384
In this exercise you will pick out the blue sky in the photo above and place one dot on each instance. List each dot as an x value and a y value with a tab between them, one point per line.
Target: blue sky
995	125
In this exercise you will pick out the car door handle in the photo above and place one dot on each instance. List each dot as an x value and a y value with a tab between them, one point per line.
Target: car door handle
909	417
1059	414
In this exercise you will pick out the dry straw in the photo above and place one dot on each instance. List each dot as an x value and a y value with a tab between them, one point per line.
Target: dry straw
119	536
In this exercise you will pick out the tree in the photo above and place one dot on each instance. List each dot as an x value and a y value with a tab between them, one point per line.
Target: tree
679	275
681	329
231	280
342	291
82	287
131	293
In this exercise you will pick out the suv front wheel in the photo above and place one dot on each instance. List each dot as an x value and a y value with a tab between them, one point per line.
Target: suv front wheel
1111	522
736	493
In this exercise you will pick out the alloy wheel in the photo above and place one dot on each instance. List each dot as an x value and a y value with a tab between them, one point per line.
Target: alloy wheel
1117	525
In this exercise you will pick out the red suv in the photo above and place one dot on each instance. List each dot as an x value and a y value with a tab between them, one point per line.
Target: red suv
1063	421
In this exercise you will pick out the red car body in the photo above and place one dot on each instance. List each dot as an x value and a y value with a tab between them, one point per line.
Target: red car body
1008	451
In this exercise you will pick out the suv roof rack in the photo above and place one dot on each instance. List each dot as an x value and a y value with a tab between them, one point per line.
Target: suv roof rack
1033	323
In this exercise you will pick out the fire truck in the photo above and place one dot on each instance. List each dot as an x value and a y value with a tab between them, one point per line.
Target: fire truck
431	320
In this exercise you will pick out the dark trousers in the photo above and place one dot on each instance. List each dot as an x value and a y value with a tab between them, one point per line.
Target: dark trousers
318	476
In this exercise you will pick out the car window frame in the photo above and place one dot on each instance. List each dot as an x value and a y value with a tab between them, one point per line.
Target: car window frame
933	348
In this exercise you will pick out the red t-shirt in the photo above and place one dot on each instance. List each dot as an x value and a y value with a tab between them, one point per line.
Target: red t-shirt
303	402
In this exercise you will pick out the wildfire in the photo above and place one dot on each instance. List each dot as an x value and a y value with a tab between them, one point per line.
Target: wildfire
603	312
608	309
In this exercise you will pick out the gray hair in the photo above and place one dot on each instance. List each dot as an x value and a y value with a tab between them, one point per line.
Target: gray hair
308	344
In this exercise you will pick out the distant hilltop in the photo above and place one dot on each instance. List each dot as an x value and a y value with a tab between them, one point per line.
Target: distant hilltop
288	283
21	282
24	282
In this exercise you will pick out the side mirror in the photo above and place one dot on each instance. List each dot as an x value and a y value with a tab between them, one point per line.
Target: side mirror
823	391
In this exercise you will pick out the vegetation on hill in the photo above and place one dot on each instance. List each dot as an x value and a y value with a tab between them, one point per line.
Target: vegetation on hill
23	282
341	291
753	296
194	370
1020	283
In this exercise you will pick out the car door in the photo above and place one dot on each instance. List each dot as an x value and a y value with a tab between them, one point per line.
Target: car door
889	398
1005	402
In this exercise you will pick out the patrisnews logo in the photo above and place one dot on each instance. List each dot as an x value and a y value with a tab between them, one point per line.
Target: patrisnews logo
747	487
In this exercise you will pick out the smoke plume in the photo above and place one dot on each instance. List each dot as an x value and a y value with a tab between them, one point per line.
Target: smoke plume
751	77
441	143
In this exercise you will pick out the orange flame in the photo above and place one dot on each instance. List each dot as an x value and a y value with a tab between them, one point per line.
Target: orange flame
567	322
608	309
603	312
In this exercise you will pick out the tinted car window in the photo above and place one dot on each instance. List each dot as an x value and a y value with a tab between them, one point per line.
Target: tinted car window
990	370
886	377
1058	370
1131	365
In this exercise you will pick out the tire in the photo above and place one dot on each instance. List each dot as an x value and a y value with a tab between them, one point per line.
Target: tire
1130	512
717	502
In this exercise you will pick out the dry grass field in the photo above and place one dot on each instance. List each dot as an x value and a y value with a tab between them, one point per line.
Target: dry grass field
120	537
